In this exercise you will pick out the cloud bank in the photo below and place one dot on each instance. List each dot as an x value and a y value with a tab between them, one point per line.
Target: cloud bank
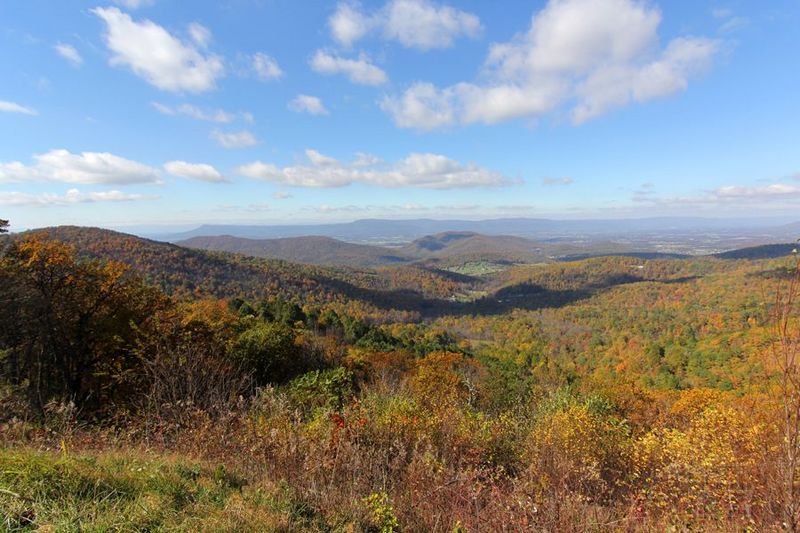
422	170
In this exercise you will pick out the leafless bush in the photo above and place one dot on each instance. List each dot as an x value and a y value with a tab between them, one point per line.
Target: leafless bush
187	370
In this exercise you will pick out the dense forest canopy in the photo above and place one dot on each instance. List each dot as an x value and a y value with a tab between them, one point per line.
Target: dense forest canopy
646	392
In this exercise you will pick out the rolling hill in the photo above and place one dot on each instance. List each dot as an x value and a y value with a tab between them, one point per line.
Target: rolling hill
445	249
197	273
423	284
309	249
766	251
182	270
465	246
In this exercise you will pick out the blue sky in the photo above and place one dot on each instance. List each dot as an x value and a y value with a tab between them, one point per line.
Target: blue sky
148	112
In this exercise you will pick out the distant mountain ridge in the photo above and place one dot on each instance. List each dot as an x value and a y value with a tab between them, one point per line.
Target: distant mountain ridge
313	250
384	230
446	249
429	286
442	247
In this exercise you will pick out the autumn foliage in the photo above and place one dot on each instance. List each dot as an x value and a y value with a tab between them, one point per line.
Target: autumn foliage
623	399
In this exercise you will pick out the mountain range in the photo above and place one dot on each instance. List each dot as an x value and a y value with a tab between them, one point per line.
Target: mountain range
403	231
444	249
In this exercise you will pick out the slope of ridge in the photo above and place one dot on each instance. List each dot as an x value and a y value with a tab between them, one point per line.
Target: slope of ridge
451	247
469	246
314	250
765	251
386	293
181	270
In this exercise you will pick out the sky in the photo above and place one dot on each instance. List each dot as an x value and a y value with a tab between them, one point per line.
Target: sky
166	112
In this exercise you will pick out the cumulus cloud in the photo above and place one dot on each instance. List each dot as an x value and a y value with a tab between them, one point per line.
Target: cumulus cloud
420	24
423	170
12	107
68	52
195	171
85	168
349	24
304	103
234	139
558	181
197	113
360	70
72	196
157	56
265	67
586	56
424	25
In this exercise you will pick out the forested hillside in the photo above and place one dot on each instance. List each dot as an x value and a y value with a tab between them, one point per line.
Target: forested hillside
152	385
311	250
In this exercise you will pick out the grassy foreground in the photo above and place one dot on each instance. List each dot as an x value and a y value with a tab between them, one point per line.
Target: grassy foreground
138	492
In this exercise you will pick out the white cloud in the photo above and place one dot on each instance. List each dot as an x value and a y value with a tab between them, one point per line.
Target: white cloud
348	24
420	24
610	88
265	67
250	208
134	4
208	115
729	195
235	139
729	20
430	171
588	56
304	103
194	171
425	25
360	70
84	168
422	106
558	181
155	55
72	196
12	107
281	195
776	190
199	34
68	52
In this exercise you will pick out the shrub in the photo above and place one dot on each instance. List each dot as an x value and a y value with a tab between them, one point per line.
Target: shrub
381	513
578	448
322	389
270	351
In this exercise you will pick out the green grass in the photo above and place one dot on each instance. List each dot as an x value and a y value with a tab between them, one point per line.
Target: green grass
123	492
477	268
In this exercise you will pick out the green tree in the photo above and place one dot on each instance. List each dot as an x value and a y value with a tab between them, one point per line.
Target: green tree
270	352
3	226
